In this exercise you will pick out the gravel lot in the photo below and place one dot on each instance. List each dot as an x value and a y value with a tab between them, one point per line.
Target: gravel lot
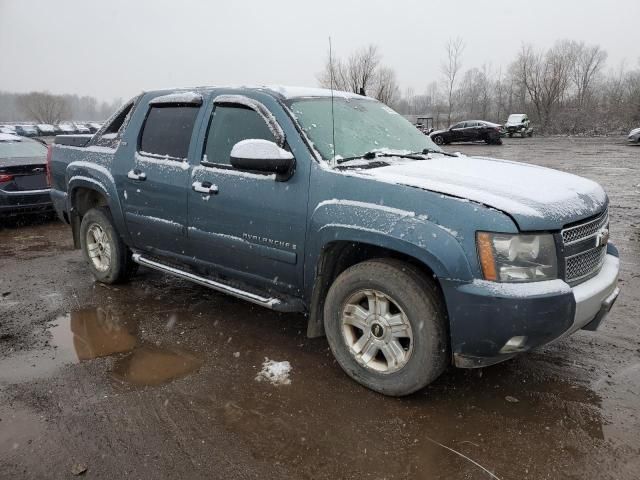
156	378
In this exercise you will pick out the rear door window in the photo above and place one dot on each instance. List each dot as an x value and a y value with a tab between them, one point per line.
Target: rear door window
228	126
167	131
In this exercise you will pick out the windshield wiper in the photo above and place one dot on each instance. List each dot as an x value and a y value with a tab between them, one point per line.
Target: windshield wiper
431	150
412	155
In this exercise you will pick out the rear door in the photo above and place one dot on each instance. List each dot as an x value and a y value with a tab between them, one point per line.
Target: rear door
469	131
457	132
156	185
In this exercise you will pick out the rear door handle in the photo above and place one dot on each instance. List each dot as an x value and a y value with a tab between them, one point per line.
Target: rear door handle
137	174
205	187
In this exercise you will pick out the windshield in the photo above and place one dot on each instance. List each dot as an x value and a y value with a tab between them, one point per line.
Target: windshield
515	118
361	126
22	149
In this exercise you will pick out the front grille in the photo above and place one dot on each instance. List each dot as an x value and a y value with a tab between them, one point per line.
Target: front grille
584	264
584	255
585	230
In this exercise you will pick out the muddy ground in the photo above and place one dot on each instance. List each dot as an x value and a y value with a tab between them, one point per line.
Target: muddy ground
156	378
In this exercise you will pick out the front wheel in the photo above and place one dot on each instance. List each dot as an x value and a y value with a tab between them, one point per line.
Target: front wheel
108	257
438	140
385	323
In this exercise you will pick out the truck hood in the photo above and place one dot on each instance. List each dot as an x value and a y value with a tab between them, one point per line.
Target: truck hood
537	198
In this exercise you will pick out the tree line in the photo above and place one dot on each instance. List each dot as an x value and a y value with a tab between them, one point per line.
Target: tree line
564	89
45	107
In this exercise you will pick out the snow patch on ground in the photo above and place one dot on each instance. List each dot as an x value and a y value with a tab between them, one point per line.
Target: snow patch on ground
277	373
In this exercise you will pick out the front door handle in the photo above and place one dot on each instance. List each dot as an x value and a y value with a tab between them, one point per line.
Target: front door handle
137	174
205	187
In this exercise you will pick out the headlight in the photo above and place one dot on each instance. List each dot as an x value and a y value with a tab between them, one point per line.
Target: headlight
517	258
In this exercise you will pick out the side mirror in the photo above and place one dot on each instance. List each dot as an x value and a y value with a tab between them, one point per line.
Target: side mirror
261	156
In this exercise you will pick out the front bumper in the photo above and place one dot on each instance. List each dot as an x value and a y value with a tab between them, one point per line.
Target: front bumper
26	201
634	138
491	322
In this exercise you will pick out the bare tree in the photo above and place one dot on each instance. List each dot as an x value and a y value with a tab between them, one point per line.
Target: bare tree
545	77
357	74
386	87
44	107
589	61
362	68
450	68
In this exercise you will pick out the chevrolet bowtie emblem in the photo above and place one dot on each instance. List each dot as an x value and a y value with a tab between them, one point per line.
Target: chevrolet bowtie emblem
602	237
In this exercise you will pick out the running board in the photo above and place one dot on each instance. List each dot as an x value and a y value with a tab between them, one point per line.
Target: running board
269	302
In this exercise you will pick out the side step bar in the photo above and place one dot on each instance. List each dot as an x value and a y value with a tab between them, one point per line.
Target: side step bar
271	302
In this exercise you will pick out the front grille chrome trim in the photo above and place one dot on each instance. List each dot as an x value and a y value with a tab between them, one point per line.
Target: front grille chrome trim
585	263
583	231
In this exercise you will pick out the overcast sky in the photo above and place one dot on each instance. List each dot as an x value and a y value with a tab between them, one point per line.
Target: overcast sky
116	48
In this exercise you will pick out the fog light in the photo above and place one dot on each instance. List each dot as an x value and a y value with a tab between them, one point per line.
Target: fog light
515	344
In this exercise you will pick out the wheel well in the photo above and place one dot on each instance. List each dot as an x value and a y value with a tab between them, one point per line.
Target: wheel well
82	200
334	259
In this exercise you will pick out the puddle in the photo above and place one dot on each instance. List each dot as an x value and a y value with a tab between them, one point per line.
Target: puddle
92	333
150	365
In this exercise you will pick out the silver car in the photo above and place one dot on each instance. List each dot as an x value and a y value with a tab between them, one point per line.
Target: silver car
634	136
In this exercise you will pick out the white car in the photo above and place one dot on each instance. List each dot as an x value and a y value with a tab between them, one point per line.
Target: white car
46	129
634	136
67	128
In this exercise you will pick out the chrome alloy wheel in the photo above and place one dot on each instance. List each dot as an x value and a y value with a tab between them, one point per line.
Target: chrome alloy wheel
376	331
98	247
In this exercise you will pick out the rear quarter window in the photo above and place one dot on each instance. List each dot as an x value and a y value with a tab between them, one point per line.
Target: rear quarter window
167	130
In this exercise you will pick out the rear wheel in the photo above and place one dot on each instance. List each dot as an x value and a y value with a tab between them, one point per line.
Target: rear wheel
108	257
438	140
385	323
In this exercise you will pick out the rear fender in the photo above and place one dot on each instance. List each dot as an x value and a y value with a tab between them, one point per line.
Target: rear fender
100	180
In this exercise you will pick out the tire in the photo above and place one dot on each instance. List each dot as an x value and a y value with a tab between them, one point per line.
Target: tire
530	134
111	261
438	140
510	134
415	309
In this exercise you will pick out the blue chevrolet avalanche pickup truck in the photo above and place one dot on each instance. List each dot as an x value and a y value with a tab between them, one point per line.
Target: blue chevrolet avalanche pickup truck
406	257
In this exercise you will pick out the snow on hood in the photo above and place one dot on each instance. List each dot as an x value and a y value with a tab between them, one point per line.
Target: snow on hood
537	198
634	131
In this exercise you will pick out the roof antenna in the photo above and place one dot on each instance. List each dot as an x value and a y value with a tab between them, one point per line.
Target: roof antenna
333	122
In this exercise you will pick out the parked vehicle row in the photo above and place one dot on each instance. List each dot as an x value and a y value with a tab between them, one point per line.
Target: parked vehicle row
49	130
406	257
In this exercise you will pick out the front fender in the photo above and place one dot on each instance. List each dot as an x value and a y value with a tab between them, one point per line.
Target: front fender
394	229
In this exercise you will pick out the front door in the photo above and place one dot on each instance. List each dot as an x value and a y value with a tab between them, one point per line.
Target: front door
246	224
155	192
